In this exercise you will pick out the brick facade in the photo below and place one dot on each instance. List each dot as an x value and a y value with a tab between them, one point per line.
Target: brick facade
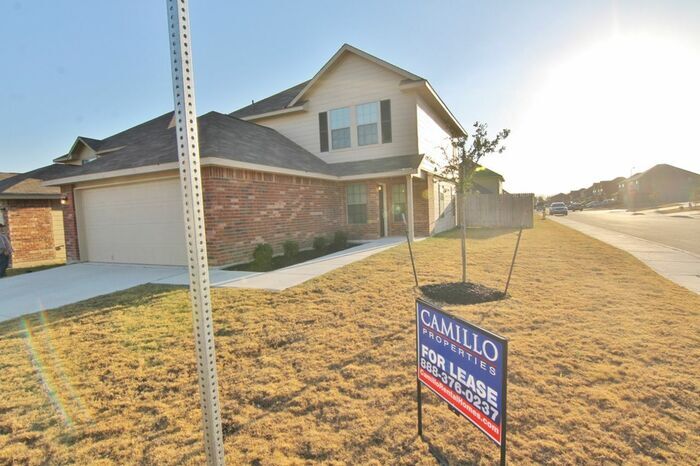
30	225
244	208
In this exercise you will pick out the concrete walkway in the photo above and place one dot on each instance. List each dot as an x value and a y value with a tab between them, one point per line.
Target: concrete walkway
679	266
281	279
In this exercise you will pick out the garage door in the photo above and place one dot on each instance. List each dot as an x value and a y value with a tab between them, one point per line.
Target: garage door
137	223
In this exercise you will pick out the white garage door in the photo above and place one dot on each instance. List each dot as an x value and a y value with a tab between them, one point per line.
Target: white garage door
138	223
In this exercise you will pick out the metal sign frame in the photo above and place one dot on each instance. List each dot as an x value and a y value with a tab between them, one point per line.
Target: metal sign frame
504	385
195	238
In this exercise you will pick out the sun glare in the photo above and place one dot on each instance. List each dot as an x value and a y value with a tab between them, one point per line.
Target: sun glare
616	107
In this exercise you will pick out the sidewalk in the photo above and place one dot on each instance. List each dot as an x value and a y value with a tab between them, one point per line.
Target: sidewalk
681	267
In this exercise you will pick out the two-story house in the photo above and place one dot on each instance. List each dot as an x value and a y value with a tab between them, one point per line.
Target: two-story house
350	149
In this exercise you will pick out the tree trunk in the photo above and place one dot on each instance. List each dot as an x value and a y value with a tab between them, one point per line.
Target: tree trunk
464	238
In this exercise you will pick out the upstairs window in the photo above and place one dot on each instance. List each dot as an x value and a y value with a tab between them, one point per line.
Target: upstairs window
356	195
340	128
398	201
367	123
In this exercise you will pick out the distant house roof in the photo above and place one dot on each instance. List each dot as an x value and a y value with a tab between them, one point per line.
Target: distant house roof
221	137
30	185
483	171
659	167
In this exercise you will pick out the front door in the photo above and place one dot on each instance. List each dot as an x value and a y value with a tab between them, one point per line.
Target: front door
382	210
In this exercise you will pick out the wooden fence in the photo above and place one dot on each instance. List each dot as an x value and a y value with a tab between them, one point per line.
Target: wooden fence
500	210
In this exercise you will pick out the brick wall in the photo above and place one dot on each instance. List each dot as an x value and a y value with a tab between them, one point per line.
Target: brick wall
244	208
30	227
70	227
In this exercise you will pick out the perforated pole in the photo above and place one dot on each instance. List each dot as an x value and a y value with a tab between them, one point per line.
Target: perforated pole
195	237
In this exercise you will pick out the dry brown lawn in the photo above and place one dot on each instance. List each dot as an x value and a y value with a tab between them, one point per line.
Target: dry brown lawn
603	366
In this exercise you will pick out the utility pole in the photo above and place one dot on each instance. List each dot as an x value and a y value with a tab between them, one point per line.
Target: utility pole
185	115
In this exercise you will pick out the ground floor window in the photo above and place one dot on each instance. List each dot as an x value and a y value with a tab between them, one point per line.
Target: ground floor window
357	203
398	201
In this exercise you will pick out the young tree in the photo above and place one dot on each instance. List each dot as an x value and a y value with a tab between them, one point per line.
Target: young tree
462	162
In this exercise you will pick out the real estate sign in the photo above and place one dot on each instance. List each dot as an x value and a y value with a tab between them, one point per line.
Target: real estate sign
464	365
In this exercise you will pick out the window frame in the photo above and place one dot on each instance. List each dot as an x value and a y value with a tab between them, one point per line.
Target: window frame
331	129
351	219
394	213
376	123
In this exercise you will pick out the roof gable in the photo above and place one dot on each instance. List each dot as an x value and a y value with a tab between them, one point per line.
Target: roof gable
346	48
293	98
81	143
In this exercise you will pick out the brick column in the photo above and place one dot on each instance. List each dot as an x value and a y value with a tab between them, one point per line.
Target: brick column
70	226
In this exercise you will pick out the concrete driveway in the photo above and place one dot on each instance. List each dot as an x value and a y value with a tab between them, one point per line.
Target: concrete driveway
36	291
47	289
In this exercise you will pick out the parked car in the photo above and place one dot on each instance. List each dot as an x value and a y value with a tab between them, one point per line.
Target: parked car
574	206
558	208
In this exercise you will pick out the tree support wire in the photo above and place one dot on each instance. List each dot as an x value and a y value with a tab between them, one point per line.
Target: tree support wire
196	242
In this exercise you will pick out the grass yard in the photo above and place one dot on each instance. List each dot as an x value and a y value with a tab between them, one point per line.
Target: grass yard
603	366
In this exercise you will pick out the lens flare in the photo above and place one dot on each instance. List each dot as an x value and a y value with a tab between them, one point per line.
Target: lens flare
50	372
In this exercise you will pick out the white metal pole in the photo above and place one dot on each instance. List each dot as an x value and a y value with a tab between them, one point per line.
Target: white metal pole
409	208
195	237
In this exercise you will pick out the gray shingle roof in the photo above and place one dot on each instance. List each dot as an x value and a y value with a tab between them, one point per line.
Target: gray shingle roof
222	136
278	101
29	184
368	167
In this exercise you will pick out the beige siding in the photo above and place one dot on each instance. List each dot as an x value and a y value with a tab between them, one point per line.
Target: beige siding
59	238
351	81
433	133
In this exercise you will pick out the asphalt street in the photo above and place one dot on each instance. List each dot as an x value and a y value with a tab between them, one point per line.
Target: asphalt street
678	231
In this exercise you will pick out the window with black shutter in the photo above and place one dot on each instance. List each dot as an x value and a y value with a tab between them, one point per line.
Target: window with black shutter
385	110
323	130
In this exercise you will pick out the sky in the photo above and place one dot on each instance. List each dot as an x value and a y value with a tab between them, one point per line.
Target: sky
590	90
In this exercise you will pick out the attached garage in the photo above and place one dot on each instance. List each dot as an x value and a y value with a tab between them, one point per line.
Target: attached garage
135	223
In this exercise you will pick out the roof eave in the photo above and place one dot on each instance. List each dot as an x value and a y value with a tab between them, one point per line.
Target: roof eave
30	196
218	161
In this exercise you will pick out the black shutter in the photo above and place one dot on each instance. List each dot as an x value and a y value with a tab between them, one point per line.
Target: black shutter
323	130
385	110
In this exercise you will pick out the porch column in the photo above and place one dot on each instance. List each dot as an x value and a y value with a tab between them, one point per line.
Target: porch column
409	207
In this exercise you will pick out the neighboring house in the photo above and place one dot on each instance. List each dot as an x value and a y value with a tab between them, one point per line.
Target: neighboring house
33	217
579	195
346	150
603	190
485	181
561	197
659	185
